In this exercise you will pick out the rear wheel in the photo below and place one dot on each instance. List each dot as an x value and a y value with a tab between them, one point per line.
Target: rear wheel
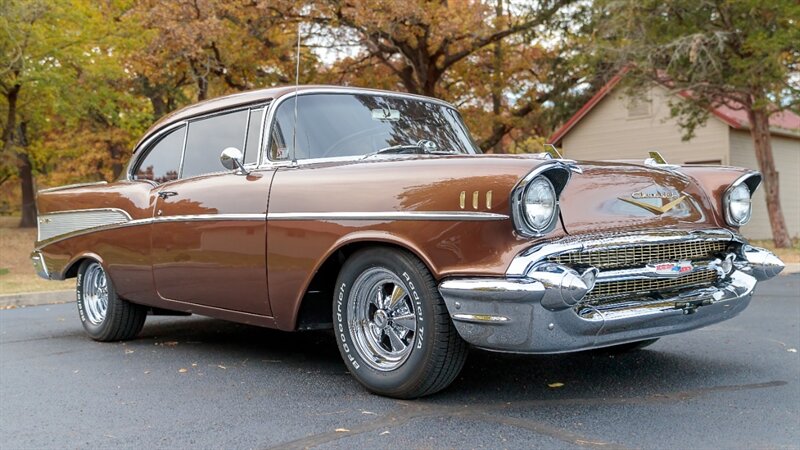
392	326
105	316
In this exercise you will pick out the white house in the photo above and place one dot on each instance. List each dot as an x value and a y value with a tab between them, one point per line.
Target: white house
613	126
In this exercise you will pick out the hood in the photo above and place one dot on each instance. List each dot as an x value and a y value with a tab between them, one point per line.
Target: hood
610	196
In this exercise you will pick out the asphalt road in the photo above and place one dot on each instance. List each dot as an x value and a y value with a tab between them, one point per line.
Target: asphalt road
197	382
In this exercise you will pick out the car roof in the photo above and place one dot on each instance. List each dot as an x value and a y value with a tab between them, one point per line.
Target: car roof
255	97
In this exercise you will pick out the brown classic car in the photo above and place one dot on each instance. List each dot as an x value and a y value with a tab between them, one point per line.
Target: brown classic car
375	215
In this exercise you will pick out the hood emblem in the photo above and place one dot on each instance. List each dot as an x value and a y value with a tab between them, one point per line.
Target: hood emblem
672	198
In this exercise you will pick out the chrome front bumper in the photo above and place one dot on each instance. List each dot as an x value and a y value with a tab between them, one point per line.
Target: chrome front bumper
539	309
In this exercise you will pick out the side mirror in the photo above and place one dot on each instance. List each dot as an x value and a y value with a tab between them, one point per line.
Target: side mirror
232	159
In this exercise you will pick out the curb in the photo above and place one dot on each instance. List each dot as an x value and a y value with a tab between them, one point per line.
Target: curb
36	298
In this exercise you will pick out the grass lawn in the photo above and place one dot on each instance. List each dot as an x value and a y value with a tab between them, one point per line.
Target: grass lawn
16	271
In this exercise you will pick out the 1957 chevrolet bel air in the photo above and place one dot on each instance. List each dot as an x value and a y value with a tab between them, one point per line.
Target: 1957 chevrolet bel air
374	214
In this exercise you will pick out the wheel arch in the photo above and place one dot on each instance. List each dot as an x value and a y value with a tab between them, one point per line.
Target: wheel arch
314	304
71	268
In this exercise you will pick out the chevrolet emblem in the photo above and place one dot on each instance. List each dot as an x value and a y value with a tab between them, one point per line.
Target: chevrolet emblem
653	208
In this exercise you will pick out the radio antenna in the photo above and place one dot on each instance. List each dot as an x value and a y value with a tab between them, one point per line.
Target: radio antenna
296	83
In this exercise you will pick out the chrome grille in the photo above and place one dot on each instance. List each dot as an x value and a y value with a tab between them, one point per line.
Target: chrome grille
641	255
625	289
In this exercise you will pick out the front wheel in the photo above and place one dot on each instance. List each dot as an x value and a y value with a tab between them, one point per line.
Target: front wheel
105	316
392	326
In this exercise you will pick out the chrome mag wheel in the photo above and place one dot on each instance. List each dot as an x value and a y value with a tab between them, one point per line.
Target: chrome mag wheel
95	293
382	319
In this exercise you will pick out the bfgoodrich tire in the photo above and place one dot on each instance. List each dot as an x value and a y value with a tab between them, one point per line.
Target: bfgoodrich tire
104	315
392	326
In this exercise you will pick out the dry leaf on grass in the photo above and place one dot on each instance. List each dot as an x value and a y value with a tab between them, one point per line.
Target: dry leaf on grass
555	385
342	430
183	370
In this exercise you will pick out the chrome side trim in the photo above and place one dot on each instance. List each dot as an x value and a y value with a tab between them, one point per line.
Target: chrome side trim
131	223
64	222
207	217
390	215
70	186
520	266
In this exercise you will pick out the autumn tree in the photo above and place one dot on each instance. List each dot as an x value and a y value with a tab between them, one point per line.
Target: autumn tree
739	53
483	56
40	49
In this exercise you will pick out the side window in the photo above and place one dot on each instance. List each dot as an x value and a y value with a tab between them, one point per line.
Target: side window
208	137
163	161
251	149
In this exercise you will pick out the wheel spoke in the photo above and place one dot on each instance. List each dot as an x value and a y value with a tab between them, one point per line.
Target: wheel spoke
394	339
394	299
407	321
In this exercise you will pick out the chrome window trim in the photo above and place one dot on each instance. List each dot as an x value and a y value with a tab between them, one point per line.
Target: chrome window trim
139	152
275	104
726	197
523	262
144	149
389	215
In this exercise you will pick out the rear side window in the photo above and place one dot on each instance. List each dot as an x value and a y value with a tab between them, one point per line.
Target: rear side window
208	137
162	163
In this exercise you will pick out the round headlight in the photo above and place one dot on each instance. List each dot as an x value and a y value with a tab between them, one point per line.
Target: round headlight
539	203
739	206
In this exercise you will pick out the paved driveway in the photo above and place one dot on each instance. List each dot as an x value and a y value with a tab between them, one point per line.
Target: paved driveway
197	382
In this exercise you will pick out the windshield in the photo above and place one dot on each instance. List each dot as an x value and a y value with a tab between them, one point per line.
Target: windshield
335	125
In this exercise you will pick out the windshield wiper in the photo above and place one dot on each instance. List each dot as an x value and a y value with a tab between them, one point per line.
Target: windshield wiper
397	149
422	146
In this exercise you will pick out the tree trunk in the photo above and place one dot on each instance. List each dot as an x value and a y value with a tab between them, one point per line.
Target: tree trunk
759	131
28	192
497	78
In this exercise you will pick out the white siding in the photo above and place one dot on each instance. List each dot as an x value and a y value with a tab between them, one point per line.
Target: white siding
606	132
787	160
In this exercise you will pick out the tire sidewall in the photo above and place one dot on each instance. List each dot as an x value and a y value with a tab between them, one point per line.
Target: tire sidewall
412	369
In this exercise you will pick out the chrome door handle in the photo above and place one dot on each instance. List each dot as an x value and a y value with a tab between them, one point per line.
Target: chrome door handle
165	194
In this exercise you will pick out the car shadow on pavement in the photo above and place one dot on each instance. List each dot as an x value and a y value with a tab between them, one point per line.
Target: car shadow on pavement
487	376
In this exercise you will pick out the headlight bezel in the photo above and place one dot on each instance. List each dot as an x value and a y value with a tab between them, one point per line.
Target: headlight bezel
750	182
557	175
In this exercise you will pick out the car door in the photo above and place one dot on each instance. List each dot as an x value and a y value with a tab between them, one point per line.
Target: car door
208	244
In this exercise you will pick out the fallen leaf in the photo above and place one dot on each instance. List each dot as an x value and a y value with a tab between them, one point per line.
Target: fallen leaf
555	385
183	370
791	350
194	364
342	430
128	351
221	366
146	372
385	433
